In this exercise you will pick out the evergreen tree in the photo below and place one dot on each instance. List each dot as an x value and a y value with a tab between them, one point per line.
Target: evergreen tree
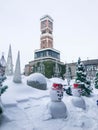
49	65
96	80
2	78
81	79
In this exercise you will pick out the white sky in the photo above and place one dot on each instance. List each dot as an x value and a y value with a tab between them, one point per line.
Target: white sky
75	28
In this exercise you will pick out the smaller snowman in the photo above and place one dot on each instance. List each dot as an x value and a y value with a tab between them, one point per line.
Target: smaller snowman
77	100
57	107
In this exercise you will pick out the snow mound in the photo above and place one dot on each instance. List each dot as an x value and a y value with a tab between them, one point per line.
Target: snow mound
58	110
37	80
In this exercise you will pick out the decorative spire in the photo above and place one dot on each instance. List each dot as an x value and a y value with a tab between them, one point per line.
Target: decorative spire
17	73
9	66
2	60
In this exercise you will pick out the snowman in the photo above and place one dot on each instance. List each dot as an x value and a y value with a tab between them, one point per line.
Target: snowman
77	100
57	107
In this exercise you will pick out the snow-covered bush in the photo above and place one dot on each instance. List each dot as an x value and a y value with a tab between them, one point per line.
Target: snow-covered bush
37	80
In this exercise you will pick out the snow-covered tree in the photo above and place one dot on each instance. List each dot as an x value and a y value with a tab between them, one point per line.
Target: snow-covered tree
81	79
2	78
2	90
96	80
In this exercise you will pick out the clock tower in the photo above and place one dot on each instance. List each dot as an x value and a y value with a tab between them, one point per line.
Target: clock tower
46	53
46	26
46	50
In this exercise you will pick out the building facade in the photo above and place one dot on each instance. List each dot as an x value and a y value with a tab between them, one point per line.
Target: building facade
46	51
91	67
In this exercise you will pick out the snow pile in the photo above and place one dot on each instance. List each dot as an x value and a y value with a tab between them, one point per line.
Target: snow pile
37	80
27	108
20	92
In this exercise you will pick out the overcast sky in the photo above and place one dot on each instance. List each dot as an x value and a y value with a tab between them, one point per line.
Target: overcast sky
75	29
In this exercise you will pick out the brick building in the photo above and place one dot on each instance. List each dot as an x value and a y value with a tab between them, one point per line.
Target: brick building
46	51
91	67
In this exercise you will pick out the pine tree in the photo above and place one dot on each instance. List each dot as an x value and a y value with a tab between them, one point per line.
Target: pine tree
96	80
2	78
2	89
81	79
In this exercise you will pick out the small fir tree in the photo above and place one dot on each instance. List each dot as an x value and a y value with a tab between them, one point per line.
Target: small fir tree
81	79
96	80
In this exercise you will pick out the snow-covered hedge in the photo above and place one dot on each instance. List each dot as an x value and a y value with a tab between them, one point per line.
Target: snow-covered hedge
37	80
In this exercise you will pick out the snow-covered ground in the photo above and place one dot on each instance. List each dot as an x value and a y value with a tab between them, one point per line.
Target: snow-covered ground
26	108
